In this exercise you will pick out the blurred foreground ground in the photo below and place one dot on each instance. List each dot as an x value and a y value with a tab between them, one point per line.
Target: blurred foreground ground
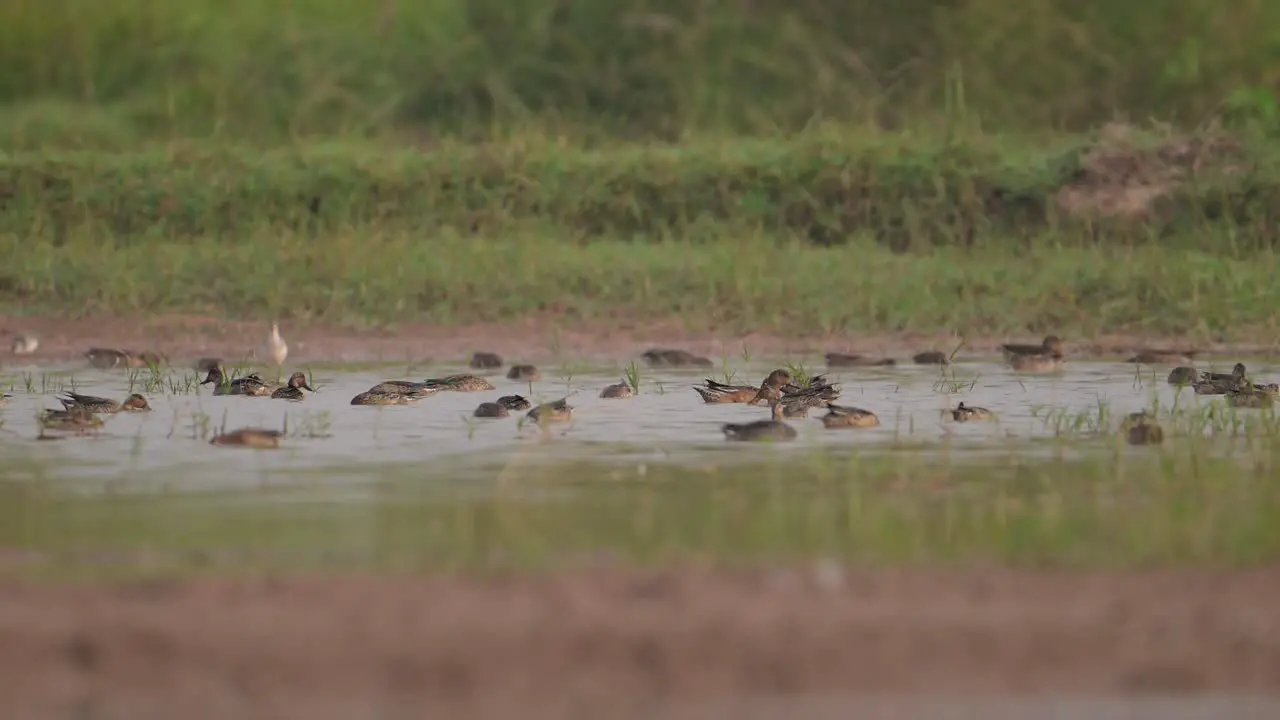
812	641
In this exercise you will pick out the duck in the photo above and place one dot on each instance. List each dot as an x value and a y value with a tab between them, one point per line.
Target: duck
24	344
73	420
818	393
260	438
617	391
1207	387
5	397
374	396
1051	345
91	404
485	361
515	402
106	358
670	357
713	392
405	387
109	358
459	383
252	384
1252	397
1271	389
502	407
1238	374
293	389
772	430
1162	357
275	349
1036	363
847	416
795	399
1222	383
931	357
1183	375
717	393
524	373
205	364
1141	428
491	410
793	407
835	359
558	411
965	413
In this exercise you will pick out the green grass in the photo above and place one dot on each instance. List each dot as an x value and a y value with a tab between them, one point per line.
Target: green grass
87	73
832	230
827	186
730	284
1126	508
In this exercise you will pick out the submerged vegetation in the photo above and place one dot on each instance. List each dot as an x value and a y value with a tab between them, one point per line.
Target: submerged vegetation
1112	509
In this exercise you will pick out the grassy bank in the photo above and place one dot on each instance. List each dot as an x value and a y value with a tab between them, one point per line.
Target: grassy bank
726	283
1127	509
826	186
829	230
110	74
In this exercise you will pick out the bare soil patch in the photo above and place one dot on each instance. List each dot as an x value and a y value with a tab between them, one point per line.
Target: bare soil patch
184	337
601	643
1122	178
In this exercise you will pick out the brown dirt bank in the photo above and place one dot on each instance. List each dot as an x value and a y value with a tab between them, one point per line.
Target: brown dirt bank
617	643
538	339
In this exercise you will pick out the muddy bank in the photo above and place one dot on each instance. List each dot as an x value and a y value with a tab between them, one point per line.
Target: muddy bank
183	337
620	643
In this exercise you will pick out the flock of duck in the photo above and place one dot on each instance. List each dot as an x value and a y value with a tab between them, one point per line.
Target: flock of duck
787	400
785	396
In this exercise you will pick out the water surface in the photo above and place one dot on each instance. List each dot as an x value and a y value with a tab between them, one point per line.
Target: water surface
666	422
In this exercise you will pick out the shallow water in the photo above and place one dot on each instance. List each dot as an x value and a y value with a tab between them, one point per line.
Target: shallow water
665	422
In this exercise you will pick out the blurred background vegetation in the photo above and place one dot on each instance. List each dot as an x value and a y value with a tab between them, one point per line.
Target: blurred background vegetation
92	73
393	152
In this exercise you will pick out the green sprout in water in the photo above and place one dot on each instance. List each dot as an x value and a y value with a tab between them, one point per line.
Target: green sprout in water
632	375
800	375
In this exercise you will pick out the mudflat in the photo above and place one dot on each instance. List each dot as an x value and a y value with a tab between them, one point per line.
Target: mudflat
180	336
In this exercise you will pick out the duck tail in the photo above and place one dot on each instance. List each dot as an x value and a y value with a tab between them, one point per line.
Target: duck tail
708	396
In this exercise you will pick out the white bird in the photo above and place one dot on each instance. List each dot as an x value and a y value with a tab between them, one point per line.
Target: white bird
276	349
24	344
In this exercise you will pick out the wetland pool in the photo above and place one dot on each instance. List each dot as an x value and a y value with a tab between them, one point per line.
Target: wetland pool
649	477
665	422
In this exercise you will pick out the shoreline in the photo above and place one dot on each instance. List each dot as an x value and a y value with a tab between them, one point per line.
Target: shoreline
182	337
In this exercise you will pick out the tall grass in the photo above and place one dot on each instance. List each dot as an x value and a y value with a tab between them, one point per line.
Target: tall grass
108	73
